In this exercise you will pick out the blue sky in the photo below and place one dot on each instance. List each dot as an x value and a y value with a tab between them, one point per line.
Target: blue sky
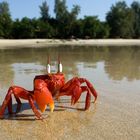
30	8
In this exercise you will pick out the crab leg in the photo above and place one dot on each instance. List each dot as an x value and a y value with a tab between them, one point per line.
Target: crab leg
10	105
5	103
88	97
18	92
77	91
37	113
74	89
89	85
18	104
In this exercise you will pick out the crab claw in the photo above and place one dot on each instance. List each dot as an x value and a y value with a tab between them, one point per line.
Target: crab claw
42	95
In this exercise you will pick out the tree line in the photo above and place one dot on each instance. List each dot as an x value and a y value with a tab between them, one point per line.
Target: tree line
122	21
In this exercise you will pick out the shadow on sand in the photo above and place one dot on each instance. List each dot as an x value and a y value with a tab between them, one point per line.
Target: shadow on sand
60	106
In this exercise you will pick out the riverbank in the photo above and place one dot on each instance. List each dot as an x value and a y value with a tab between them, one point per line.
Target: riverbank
13	43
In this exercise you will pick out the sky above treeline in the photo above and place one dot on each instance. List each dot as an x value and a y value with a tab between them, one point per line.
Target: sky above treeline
30	8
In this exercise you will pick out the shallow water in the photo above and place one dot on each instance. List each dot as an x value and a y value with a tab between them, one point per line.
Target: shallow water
115	74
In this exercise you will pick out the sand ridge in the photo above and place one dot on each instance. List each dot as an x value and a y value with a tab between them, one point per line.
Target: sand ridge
8	43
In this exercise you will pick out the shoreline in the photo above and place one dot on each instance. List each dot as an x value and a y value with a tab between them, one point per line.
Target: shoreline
19	43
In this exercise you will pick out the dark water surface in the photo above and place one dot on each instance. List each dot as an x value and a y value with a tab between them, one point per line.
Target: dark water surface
114	71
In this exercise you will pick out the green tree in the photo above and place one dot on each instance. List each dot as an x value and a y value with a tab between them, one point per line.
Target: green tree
91	27
44	30
135	6
74	12
44	11
23	28
65	19
76	30
61	16
5	20
72	20
60	10
120	20
104	30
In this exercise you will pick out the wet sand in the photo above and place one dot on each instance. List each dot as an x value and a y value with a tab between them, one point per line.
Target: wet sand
110	118
11	43
115	116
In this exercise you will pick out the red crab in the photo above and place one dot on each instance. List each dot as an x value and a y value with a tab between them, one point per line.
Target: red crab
41	95
45	88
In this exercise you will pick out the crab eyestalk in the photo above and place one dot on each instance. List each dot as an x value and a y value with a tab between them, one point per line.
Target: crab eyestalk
48	66
60	68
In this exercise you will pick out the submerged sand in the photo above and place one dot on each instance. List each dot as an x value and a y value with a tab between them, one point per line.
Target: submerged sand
13	43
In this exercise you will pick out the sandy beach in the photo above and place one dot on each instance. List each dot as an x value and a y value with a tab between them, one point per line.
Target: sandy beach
115	75
100	122
8	43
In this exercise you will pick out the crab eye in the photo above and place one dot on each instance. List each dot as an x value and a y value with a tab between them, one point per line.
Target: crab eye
60	67
48	68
